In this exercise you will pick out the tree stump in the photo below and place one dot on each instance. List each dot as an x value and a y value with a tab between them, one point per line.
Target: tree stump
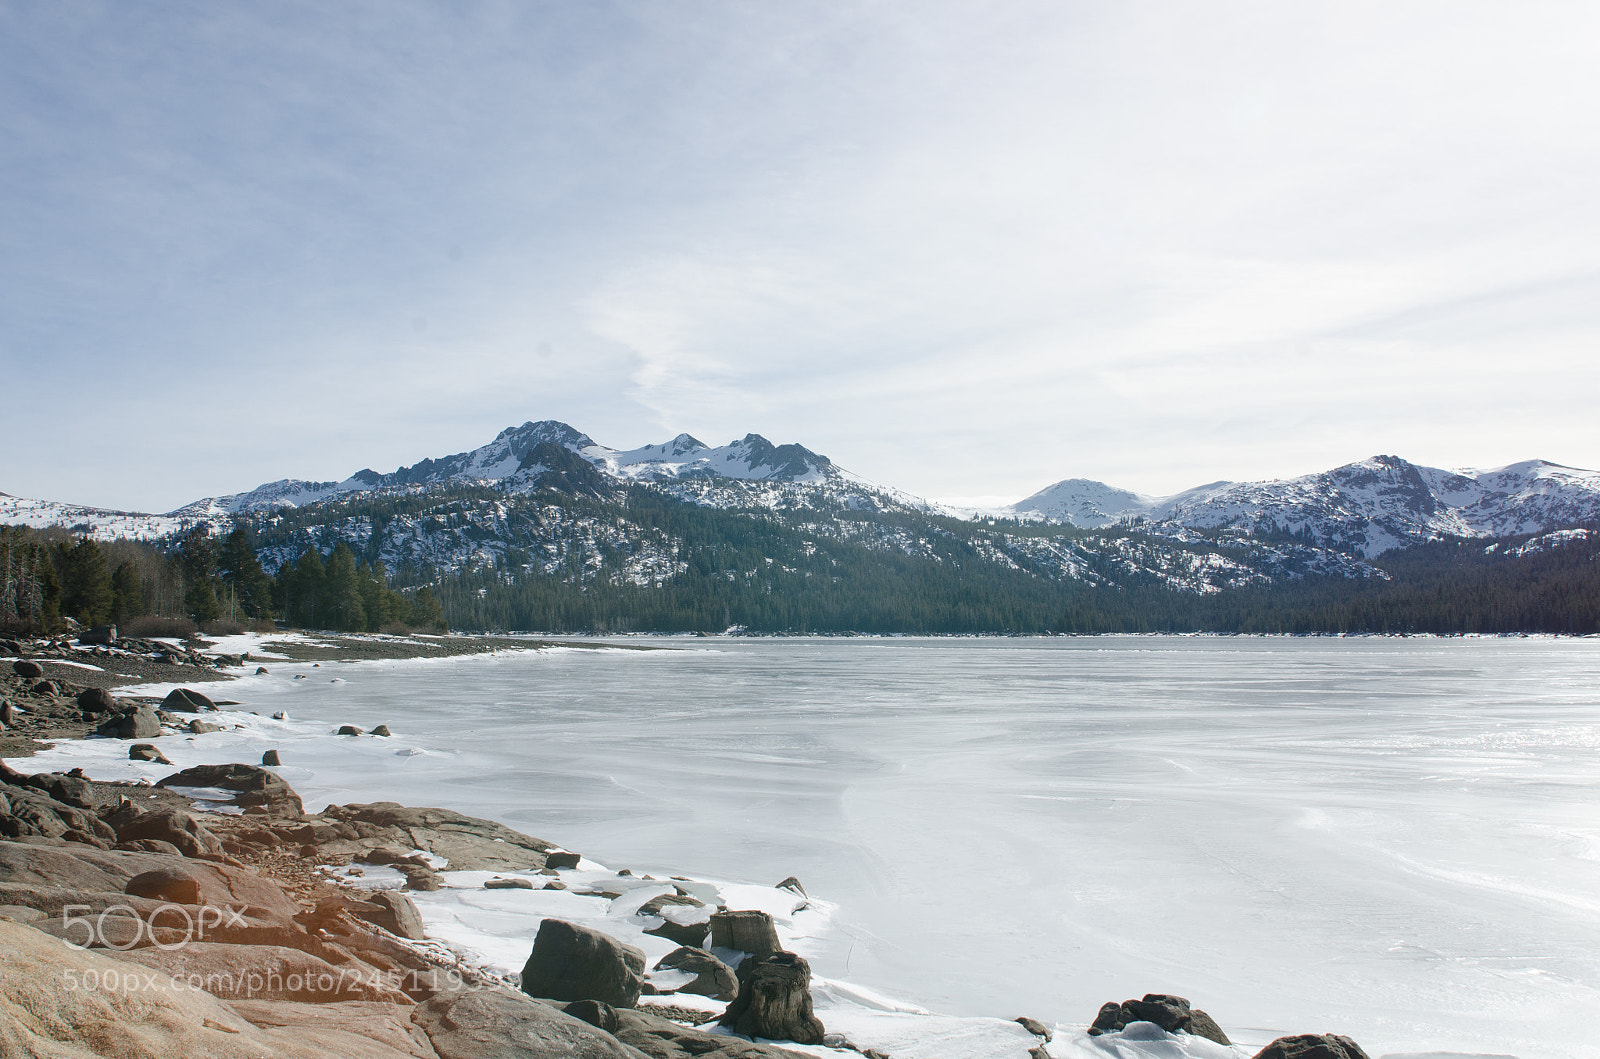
775	1000
747	931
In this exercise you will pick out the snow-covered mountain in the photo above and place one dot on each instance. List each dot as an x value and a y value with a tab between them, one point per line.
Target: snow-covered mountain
1364	508
541	454
97	522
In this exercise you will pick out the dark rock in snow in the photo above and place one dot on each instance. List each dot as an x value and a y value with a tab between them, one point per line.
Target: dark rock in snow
1203	1025
261	671
27	670
146	752
136	723
508	884
713	978
1034	1026
383	731
792	884
186	700
775	1000
271	758
349	729
256	787
1312	1046
199	727
569	962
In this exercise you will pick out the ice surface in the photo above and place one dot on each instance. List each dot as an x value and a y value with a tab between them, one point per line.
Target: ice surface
1392	839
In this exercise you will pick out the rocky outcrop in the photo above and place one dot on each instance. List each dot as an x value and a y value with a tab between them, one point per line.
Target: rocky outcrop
257	789
570	962
775	1000
181	829
394	912
480	1023
470	844
1171	1013
56	1000
1312	1046
661	1038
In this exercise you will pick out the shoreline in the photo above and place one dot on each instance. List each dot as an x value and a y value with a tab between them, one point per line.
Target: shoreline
314	650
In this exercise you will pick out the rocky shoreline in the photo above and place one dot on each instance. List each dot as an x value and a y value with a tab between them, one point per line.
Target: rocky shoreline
199	914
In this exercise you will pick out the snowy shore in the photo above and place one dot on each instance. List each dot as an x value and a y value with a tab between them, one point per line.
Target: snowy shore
494	927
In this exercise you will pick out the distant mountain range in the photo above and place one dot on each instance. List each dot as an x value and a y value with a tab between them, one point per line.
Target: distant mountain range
544	504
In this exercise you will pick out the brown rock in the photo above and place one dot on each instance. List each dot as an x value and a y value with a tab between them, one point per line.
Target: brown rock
484	1023
569	962
1312	1046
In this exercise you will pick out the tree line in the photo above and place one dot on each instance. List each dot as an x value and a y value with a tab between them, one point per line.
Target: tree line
47	576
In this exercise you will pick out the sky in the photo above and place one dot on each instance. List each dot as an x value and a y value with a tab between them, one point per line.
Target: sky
960	248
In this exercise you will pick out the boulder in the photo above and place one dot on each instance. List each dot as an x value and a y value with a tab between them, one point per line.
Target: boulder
1035	1027
261	671
1203	1025
420	877
792	885
186	700
256	787
146	752
98	636
1171	1013
775	1000
713	978
508	884
661	1038
271	758
165	884
68	789
349	729
1312	1046
569	962
46	687
690	935
395	913
383	731
139	722
27	670
483	1023
745	930
177	827
96	701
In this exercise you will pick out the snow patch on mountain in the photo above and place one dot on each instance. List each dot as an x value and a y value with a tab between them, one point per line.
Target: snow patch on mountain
99	523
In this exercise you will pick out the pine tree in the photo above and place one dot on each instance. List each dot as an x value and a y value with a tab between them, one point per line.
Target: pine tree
85	581
127	595
250	588
342	594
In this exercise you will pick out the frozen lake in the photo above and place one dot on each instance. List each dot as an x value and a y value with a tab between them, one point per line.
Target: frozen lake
1398	840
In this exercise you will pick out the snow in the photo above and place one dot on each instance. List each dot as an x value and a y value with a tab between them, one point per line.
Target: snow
1393	839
